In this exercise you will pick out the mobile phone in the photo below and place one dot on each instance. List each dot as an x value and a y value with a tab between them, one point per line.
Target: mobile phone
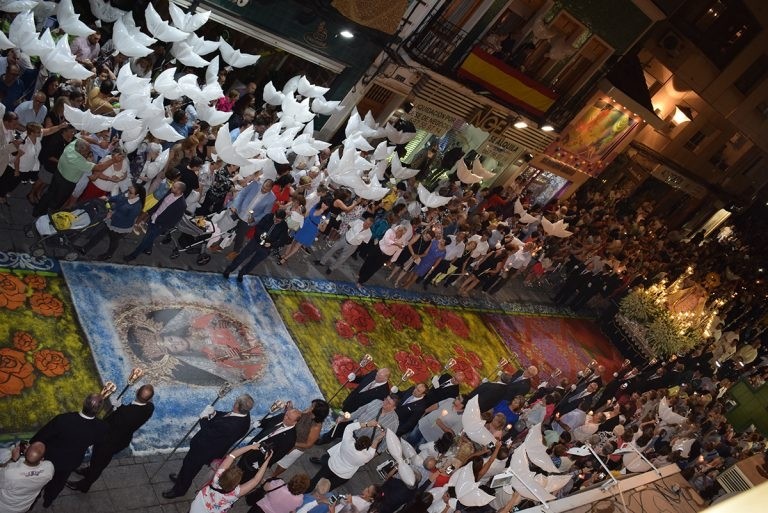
23	446
332	499
449	469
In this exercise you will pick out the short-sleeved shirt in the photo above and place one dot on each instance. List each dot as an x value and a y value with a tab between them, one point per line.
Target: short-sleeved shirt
208	499
20	484
72	165
446	413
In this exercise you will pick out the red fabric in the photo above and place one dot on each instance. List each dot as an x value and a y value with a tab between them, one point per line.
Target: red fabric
91	192
282	196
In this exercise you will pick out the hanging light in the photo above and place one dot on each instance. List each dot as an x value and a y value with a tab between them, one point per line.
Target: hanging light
346	34
547	128
682	114
520	123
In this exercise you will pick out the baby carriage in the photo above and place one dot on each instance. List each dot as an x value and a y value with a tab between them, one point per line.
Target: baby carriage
60	229
196	233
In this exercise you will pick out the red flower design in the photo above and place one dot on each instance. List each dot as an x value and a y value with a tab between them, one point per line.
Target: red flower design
363	339
401	315
45	304
35	281
24	341
468	366
382	309
51	363
344	329
16	373
423	366
342	365
357	316
310	311
299	317
447	319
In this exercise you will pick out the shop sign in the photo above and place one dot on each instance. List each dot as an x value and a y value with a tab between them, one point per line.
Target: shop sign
500	148
431	119
485	119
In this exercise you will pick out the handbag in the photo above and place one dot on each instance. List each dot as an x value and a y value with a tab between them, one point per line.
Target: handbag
259	493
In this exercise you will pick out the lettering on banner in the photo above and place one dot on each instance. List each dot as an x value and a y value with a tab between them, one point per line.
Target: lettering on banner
485	119
430	119
500	148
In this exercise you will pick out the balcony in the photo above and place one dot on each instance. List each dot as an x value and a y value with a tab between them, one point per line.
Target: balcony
435	44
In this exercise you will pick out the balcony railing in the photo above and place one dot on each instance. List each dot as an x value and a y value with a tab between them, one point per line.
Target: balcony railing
434	45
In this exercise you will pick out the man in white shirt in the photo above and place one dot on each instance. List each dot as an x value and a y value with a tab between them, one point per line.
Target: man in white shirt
32	111
440	418
344	459
22	478
482	244
359	232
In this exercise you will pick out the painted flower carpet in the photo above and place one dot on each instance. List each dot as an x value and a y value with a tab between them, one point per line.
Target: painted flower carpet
191	333
45	363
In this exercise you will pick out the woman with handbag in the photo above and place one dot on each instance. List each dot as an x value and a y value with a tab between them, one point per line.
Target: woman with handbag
281	497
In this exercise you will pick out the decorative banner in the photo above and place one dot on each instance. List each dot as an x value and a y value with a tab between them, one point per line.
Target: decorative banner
429	118
592	141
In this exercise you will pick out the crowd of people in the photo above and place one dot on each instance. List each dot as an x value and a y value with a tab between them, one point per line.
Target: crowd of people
479	240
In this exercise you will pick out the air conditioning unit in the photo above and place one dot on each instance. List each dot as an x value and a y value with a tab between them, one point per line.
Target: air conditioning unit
672	43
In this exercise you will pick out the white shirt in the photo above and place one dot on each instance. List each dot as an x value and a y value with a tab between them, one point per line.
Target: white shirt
518	260
428	423
453	250
344	459
20	483
356	234
29	161
481	248
115	187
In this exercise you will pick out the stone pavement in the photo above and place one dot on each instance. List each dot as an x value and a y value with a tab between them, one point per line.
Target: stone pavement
125	487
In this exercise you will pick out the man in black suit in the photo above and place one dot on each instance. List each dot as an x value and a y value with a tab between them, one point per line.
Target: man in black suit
278	434
520	382
507	388
443	387
573	401
66	438
162	217
373	385
123	422
272	230
219	430
411	407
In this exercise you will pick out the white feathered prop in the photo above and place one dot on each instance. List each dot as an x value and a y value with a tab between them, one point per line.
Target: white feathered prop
465	175
69	21
161	29
235	58
404	470
557	229
430	199
667	416
468	492
474	425
186	21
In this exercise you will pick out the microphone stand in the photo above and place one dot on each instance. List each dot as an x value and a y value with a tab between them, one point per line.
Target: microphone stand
364	362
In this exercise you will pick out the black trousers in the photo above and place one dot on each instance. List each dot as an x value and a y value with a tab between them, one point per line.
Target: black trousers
55	195
249	257
9	181
375	260
97	234
56	485
100	459
442	267
326	472
193	462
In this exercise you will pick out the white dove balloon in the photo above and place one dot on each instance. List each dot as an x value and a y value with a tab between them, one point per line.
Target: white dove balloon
396	136
43	46
201	46
479	170
465	175
372	191
552	484
22	33
272	96
298	111
212	71
128	83
167	86
322	106
525	217
5	43
468	492
125	41
401	172
382	151
186	55
61	61
84	120
668	416
430	199
161	29
395	450
291	85
211	116
233	57
105	12
185	21
133	31
125	120
356	125
18	6
69	21
473	424
524	481
555	229
308	90
537	451
226	151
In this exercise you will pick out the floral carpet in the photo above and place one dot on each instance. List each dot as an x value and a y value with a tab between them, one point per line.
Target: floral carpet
45	363
191	333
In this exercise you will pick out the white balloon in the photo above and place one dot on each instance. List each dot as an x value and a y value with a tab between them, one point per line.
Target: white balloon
322	106
126	43
431	200
537	451
308	90
165	132
161	29
22	32
291	85
396	136
105	11
467	490
479	170
212	72
210	115
5	43
61	61
399	171
69	21
465	175
18	6
85	120
233	57
271	95
473	423
167	86
185	21
140	37
201	46
187	56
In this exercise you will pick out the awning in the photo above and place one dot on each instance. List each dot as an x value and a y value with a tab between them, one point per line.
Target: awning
626	84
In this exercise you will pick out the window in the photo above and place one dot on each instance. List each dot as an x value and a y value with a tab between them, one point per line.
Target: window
695	140
753	75
720	28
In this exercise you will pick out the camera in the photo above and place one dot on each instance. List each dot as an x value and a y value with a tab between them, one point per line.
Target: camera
23	446
449	470
265	447
263	239
491	446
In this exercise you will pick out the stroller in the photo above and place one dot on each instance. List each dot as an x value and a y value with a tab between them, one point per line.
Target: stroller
63	227
196	233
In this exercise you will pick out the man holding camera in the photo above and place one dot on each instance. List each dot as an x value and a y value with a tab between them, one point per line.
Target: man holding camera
22	476
272	231
277	434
